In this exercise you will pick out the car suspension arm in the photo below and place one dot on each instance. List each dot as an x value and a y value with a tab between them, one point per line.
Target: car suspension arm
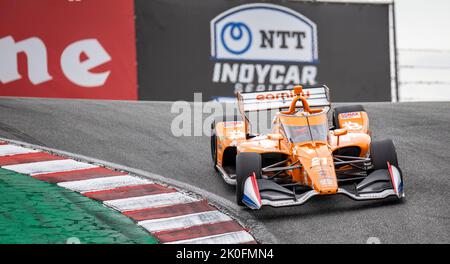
352	163
271	168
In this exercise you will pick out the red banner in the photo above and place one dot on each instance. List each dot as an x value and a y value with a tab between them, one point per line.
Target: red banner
68	49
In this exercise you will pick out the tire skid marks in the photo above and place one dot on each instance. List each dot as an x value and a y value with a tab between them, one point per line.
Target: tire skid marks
149	201
27	158
184	221
78	175
105	183
41	167
239	237
198	231
169	211
169	215
6	150
128	192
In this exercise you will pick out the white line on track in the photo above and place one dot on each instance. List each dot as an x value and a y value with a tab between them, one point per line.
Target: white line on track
6	150
184	221
149	201
104	183
41	167
226	238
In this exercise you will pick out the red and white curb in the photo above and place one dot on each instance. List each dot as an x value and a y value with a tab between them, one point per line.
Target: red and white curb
170	215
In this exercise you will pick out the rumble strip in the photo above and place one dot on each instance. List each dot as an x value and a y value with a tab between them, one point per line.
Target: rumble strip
170	215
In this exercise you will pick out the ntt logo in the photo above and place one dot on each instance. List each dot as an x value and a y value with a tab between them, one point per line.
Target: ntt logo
236	37
264	32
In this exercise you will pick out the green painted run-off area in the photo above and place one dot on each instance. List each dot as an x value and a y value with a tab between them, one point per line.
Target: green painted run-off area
32	211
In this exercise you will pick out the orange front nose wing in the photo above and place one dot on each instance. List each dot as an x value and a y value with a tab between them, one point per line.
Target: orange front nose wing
379	184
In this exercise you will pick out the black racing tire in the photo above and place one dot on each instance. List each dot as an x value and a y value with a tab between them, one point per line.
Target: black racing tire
247	163
382	152
213	146
213	137
345	109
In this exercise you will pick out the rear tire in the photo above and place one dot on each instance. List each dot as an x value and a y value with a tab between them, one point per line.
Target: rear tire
247	163
213	138
213	144
382	152
345	109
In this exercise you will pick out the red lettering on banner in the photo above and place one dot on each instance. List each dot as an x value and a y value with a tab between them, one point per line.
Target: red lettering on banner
58	49
282	95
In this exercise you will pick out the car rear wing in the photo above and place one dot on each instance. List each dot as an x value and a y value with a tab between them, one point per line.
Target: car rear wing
316	97
259	101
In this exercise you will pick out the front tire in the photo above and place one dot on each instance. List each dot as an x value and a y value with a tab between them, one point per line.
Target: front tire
247	163
382	152
214	144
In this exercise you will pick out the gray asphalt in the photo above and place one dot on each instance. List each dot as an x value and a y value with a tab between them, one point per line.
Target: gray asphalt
138	135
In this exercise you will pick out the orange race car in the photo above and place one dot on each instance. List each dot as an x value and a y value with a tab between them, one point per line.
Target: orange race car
302	157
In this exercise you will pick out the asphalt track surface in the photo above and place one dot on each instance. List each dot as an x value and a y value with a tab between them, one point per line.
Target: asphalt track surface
138	135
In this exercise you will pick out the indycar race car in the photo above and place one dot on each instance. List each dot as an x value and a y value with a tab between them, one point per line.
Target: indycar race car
302	157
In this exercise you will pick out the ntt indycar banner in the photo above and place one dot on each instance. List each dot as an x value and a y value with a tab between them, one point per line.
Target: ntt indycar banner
246	33
266	33
220	47
68	49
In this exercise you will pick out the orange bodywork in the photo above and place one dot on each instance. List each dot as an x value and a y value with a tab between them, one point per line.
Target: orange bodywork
316	156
